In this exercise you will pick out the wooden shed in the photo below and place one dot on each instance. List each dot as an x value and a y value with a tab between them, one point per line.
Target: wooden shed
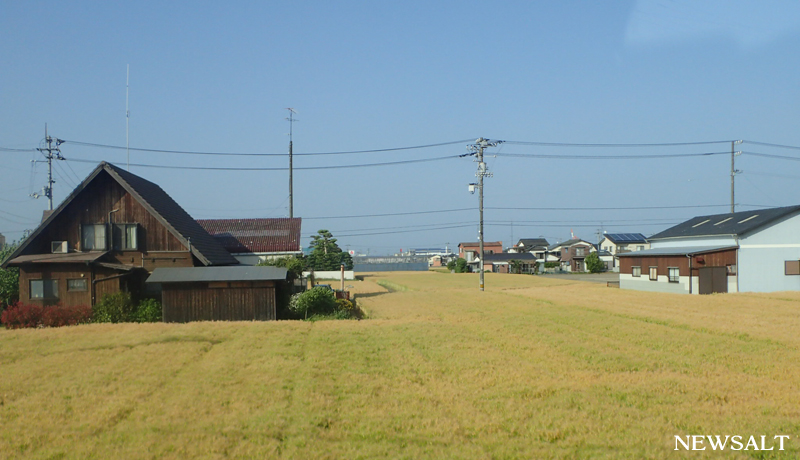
237	293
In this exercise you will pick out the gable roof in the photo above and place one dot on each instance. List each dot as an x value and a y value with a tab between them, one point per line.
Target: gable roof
568	243
737	223
533	242
160	205
255	235
625	238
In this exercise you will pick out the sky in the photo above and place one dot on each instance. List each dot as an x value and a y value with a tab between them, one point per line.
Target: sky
210	77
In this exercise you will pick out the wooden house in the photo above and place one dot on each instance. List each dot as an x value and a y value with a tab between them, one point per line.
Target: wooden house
107	236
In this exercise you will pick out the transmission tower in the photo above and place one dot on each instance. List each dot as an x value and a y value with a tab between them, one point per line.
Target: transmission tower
50	153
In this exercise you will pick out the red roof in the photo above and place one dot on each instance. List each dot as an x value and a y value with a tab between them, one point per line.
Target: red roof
255	235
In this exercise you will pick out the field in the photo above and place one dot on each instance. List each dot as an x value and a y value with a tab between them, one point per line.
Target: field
530	368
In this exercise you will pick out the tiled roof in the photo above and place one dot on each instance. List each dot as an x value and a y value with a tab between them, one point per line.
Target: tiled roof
737	223
242	236
534	242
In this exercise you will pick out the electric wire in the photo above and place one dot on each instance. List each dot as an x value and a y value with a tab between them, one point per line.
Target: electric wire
767	144
623	145
608	157
304	168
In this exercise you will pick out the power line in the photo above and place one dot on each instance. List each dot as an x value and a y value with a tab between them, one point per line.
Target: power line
189	152
608	157
781	146
770	155
212	168
571	144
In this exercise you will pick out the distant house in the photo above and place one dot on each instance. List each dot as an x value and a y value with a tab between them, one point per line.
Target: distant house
252	241
572	254
111	233
535	246
502	263
619	243
756	251
471	251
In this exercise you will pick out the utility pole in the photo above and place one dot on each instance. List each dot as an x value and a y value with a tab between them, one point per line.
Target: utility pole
476	150
291	120
51	153
127	116
734	172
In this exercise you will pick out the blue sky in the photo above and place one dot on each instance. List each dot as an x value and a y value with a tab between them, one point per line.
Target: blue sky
378	75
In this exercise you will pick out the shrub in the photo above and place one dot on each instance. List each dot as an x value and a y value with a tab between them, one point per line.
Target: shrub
21	315
58	315
461	265
344	305
594	264
451	265
114	308
318	300
148	311
25	316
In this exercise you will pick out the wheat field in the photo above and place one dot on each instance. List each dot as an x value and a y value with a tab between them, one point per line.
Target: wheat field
531	368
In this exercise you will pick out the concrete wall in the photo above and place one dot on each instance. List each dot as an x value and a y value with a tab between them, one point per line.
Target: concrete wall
711	241
643	283
391	267
332	275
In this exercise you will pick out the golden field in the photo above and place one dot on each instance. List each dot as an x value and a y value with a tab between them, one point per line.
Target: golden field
531	368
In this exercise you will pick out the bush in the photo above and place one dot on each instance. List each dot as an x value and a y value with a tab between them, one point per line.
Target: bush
115	308
58	315
148	311
344	305
25	316
451	265
461	265
316	301
594	264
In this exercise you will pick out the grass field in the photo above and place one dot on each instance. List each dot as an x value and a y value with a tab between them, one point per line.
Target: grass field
531	368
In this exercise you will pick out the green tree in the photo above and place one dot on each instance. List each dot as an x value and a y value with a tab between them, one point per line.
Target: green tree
9	278
593	263
294	266
515	266
461	265
326	254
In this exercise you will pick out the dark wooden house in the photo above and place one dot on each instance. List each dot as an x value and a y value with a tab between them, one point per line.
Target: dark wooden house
107	236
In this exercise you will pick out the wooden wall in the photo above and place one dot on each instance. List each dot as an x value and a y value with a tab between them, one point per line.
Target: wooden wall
92	206
239	301
63	273
714	259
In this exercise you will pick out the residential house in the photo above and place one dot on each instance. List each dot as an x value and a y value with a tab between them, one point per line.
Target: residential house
108	236
504	262
618	243
756	251
535	246
471	251
572	253
252	241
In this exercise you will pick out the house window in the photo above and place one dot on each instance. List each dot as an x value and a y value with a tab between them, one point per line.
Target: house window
77	285
653	273
674	274
636	272
579	252
792	267
731	269
44	289
125	237
640	248
93	237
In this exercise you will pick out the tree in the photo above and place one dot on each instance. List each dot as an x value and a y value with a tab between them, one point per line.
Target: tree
594	264
326	254
9	278
461	265
515	266
294	266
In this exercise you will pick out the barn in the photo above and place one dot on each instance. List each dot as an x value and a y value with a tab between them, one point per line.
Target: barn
747	251
237	293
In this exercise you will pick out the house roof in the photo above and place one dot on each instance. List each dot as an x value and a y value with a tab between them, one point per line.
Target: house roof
625	238
477	244
206	274
677	251
69	257
567	243
533	242
255	235
509	256
737	223
160	205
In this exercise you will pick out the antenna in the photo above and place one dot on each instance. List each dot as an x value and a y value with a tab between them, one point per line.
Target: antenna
127	116
291	120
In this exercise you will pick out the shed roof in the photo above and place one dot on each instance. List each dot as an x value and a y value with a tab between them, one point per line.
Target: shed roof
677	251
509	256
255	235
205	274
737	223
66	258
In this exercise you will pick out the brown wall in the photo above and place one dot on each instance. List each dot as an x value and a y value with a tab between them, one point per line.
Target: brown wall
62	273
92	207
243	301
716	259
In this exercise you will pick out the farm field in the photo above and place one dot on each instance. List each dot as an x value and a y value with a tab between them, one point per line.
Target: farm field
531	368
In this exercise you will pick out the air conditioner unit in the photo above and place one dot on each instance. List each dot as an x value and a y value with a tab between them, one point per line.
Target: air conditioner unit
59	247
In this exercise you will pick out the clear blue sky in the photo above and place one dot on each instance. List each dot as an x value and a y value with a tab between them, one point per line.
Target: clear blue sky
212	76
